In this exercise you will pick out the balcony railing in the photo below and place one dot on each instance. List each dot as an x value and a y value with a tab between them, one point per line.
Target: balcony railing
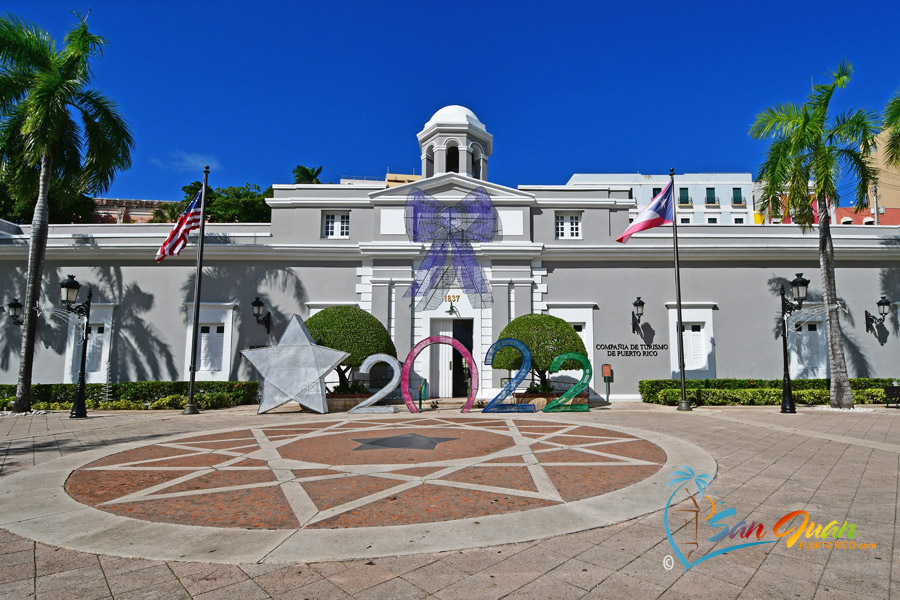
712	201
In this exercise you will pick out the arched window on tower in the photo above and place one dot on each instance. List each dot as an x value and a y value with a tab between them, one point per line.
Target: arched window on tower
476	161
429	162
452	158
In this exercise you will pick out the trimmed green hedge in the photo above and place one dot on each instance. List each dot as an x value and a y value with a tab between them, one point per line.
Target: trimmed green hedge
760	396
134	394
650	388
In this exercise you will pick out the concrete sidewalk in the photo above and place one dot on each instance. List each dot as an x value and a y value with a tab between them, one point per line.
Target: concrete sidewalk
836	466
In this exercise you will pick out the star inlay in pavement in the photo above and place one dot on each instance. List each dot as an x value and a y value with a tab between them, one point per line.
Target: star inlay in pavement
410	441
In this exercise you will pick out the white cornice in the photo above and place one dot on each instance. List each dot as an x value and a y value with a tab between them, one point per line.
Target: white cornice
693	305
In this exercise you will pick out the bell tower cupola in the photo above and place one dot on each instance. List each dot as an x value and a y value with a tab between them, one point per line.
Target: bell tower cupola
455	141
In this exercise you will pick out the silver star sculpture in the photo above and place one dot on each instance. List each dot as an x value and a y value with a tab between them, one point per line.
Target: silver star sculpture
294	369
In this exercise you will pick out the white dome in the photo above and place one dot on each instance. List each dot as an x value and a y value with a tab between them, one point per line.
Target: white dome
454	115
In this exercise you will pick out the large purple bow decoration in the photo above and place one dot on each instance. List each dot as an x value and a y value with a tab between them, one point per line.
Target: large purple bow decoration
451	231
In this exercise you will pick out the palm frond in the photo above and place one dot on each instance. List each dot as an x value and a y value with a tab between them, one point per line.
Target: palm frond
25	44
781	119
80	46
863	171
820	97
892	126
857	128
109	142
15	83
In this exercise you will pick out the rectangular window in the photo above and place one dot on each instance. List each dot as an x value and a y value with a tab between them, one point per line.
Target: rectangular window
656	192
694	346
736	197
711	196
712	220
683	197
684	220
568	225
808	351
211	346
336	225
739	220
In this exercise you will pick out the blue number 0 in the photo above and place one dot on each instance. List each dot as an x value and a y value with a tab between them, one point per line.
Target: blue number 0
496	405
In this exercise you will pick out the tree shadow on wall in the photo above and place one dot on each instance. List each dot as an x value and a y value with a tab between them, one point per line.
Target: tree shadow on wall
858	363
890	289
137	345
242	284
52	328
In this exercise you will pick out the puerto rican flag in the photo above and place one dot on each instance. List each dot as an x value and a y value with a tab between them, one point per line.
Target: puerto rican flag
659	212
187	222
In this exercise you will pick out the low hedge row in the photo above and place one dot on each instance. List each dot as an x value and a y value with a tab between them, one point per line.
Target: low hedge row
133	395
760	396
650	388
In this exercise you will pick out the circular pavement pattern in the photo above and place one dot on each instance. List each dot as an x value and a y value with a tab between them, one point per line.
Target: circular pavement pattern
358	487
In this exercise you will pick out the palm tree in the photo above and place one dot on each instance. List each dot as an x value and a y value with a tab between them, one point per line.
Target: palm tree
43	96
809	148
306	174
891	127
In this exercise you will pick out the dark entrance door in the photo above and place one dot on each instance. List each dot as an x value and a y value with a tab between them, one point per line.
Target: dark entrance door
462	332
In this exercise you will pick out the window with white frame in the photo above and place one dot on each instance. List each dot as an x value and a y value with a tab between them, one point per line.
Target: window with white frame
568	225
336	225
697	338
98	345
215	354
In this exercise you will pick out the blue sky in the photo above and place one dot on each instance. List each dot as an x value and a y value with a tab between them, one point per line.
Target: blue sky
254	89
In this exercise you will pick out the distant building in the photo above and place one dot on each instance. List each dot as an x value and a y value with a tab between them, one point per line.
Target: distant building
702	198
119	210
391	179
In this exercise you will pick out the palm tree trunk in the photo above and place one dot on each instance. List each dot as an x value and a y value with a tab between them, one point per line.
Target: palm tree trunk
841	394
33	286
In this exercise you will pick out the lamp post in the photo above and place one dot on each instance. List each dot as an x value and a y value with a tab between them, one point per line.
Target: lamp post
69	292
266	321
800	286
636	315
15	312
884	306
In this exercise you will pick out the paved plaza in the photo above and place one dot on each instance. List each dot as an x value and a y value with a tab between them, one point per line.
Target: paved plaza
230	504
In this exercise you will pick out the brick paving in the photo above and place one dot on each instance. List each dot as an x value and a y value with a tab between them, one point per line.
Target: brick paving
219	479
836	466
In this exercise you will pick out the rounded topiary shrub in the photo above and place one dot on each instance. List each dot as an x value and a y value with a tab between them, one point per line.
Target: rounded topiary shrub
351	330
546	337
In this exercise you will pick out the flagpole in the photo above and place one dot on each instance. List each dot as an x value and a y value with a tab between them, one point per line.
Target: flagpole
683	404
191	408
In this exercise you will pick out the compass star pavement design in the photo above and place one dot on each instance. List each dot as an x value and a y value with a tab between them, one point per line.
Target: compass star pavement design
294	369
309	475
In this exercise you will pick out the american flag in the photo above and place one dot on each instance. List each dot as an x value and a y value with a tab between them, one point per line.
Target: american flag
187	222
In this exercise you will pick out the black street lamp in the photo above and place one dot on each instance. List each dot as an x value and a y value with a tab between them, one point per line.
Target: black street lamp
69	292
266	321
636	315
884	306
800	286
15	312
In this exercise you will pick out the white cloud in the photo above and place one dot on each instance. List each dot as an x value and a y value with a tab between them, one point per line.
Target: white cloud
179	160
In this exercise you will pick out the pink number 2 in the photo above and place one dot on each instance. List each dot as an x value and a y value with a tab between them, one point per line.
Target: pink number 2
411	358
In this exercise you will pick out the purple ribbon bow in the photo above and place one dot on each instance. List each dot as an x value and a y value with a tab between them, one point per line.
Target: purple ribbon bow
451	231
